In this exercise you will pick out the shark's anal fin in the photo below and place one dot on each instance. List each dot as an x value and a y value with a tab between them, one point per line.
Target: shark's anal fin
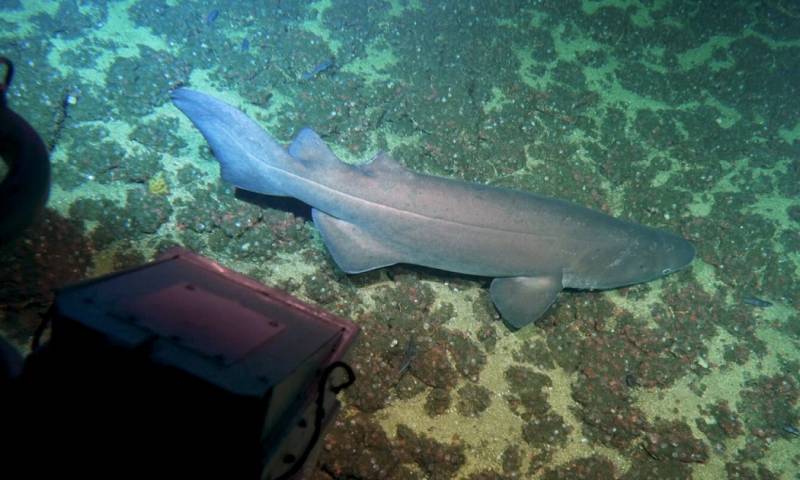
521	300
354	249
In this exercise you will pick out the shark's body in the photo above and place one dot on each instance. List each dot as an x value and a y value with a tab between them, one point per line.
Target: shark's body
380	213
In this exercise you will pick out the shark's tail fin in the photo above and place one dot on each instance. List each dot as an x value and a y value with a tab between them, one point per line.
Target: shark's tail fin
247	154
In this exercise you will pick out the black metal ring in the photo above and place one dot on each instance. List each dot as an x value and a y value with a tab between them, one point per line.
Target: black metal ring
6	79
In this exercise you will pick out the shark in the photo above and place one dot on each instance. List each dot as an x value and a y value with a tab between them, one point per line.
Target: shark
380	213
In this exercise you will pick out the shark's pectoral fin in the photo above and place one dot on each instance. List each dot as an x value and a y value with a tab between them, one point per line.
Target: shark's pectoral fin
353	248
521	300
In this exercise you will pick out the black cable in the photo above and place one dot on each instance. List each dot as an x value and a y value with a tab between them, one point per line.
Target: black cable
36	340
320	413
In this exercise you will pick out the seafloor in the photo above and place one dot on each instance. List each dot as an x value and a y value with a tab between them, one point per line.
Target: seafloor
678	114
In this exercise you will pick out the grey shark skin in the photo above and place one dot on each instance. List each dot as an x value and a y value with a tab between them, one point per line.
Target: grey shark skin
379	214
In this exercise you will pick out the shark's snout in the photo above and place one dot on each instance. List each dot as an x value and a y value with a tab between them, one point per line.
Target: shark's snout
677	253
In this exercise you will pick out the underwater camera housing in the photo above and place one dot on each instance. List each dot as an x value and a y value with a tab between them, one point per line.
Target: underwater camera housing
180	368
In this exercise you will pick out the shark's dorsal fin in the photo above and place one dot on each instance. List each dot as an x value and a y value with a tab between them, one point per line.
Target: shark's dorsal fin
309	147
381	162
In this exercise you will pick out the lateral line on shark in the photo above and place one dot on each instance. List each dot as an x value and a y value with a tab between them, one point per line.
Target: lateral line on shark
389	207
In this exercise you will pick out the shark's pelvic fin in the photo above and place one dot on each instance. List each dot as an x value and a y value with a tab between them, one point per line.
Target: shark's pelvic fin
353	249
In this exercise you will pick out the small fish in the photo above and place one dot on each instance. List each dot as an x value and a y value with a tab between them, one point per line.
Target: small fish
245	45
756	302
324	65
212	15
791	430
408	355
